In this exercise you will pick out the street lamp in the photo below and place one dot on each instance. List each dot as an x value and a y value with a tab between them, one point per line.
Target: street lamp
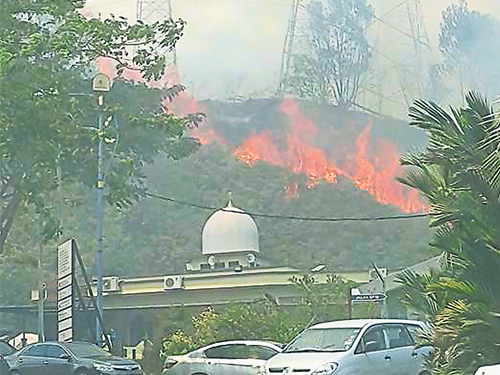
101	84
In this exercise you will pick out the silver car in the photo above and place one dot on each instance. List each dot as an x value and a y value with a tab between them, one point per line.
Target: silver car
243	357
353	347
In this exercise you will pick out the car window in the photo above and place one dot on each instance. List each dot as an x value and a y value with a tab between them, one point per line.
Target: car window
35	351
372	340
54	351
398	336
260	352
6	349
413	331
231	351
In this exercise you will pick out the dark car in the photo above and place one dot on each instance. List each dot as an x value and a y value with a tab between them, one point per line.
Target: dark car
5	350
76	358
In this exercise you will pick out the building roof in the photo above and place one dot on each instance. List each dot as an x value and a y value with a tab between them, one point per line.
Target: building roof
228	230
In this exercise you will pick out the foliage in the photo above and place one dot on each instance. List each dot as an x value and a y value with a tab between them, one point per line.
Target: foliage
458	174
265	318
468	41
337	55
323	301
47	56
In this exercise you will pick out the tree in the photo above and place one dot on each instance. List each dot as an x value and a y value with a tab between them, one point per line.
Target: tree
458	173
337	55
48	52
469	42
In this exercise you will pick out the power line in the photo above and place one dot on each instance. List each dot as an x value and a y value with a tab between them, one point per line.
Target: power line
289	217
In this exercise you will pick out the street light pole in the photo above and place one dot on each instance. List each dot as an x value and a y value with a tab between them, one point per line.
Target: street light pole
100	85
99	229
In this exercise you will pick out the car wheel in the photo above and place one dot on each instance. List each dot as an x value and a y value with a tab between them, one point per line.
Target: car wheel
82	372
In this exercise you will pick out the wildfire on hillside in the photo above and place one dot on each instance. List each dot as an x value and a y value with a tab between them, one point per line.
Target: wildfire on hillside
371	168
374	172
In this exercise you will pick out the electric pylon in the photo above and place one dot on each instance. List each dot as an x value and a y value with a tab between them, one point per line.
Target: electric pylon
287	48
150	11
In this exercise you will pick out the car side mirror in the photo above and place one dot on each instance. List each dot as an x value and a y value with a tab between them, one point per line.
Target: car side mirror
371	346
65	356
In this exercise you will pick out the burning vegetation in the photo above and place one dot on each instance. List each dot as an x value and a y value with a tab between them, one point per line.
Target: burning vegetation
371	166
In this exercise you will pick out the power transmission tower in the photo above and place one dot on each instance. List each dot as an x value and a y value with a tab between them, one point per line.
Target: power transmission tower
287	48
421	44
150	11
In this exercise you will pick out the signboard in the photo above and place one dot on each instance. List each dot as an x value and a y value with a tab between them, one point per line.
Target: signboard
65	291
375	297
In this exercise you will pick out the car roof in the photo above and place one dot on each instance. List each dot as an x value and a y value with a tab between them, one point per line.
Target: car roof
245	342
360	323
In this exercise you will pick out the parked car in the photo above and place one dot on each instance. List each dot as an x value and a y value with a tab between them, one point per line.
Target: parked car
361	347
5	350
76	358
223	358
488	370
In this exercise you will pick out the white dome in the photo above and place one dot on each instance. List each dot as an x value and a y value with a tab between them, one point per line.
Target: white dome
226	232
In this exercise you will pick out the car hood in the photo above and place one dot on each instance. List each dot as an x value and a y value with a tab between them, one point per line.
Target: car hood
302	361
106	360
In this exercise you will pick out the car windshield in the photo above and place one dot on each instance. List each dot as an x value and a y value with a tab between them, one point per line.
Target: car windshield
87	350
323	340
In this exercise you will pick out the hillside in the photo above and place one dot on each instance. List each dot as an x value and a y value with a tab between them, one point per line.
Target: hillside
171	233
314	163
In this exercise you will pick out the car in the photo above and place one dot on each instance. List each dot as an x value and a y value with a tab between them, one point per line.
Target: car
243	357
361	347
5	350
75	358
488	370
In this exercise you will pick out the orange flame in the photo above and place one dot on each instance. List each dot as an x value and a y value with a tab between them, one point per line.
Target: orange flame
377	176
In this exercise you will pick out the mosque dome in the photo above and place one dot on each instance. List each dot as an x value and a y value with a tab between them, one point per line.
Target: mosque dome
226	232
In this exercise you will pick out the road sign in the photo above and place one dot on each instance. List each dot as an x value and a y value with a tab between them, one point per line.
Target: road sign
375	297
65	291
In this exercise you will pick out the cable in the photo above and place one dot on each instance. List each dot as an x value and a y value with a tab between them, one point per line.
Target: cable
289	217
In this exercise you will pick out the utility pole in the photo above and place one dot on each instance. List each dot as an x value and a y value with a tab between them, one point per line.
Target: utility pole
383	303
101	84
41	295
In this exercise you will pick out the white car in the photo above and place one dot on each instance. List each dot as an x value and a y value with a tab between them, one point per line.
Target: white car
353	347
488	370
243	357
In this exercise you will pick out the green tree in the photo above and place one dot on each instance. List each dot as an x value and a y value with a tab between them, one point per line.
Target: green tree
469	42
458	173
48	52
337	55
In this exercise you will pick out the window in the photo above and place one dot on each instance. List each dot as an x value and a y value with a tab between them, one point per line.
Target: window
260	352
233	351
413	331
373	340
234	263
204	266
6	349
35	351
219	265
324	339
398	336
54	351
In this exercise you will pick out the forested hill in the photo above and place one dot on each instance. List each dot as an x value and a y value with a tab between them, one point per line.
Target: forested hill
170	234
156	237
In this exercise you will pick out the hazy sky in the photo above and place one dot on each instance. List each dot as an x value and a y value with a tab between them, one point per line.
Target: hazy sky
233	47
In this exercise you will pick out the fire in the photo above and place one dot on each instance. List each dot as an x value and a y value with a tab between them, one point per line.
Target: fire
370	168
374	174
292	191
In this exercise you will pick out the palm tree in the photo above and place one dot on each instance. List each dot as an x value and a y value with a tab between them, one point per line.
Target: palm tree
459	174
